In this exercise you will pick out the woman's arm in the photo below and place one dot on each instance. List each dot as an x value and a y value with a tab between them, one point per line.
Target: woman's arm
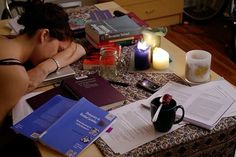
69	55
63	58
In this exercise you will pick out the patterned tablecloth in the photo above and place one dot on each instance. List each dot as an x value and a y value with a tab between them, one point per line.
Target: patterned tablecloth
186	141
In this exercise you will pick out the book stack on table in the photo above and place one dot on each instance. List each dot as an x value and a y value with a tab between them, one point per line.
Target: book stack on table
121	30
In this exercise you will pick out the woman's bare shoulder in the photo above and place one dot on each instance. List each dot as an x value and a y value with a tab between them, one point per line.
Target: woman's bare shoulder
13	77
13	82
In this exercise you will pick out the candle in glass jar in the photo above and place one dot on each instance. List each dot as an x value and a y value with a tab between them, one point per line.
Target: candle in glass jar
160	59
152	38
142	55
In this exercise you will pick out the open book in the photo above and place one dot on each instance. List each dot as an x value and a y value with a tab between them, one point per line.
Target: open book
65	125
204	104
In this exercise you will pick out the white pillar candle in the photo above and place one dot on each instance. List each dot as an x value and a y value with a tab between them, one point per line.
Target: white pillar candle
160	59
198	66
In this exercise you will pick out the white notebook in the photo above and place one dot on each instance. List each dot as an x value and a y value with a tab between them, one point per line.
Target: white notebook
58	76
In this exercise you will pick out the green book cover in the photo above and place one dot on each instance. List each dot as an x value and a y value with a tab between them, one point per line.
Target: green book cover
114	28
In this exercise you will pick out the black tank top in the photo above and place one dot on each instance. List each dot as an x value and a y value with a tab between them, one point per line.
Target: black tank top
10	61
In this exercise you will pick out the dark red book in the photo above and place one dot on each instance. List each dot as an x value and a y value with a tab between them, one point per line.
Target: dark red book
136	19
94	88
125	41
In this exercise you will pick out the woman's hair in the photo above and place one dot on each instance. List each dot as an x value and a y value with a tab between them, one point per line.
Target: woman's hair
39	15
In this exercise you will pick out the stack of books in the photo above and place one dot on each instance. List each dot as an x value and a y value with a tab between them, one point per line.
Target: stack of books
79	16
121	30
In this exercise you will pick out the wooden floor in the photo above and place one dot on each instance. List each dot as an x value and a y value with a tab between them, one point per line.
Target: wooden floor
210	36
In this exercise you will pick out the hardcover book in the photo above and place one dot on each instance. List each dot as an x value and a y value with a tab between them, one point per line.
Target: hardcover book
123	41
79	16
65	125
114	28
94	88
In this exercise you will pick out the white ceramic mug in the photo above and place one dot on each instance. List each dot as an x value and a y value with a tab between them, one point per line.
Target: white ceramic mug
198	66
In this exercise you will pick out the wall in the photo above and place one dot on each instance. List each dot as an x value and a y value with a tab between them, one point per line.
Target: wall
1	6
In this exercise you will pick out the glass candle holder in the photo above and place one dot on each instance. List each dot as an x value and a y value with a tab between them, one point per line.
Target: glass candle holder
142	55
153	36
108	62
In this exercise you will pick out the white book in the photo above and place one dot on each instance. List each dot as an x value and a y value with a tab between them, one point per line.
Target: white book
58	76
204	104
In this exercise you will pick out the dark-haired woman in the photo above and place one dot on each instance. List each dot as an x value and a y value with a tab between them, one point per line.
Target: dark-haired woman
46	42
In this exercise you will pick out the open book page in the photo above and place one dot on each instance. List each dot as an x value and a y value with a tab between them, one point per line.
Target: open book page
22	108
231	111
204	104
214	100
229	91
133	128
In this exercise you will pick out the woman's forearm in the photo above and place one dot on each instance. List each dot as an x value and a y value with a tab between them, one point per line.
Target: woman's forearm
40	72
70	55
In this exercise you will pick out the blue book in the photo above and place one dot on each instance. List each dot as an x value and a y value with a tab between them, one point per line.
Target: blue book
65	125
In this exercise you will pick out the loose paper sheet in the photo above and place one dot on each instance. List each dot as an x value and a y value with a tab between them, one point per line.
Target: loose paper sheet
133	128
22	108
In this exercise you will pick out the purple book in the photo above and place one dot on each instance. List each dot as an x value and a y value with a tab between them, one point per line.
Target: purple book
98	15
94	88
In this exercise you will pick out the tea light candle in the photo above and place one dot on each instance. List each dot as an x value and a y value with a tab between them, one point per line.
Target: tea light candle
160	59
142	55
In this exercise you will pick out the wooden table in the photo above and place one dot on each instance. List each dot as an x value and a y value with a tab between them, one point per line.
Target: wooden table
178	66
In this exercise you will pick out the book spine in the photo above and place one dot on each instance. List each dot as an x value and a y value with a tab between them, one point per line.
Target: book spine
118	35
99	44
91	31
121	41
99	35
137	20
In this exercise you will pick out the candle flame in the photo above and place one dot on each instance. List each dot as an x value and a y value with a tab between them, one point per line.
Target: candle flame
142	45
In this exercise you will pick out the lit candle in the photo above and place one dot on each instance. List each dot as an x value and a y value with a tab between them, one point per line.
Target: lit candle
160	59
142	55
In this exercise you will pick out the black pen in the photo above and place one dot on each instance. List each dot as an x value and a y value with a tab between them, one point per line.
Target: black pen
119	83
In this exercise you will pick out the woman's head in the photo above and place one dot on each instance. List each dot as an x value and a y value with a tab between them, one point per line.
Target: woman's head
48	24
46	16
